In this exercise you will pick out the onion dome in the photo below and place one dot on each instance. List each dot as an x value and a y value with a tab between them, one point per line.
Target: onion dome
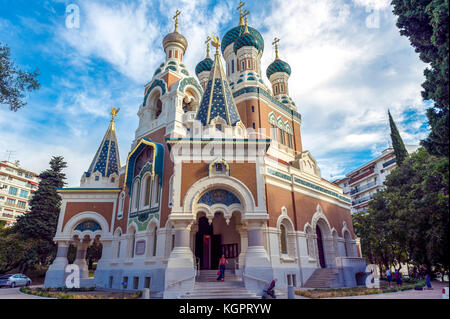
177	38
247	40
231	36
278	66
204	65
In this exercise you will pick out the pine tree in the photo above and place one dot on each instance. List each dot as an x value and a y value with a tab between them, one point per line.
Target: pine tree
397	143
41	221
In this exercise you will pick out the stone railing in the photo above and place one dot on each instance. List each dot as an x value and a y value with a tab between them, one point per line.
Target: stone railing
353	262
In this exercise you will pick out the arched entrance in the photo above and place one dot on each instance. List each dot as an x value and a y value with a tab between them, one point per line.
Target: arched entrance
215	238
320	248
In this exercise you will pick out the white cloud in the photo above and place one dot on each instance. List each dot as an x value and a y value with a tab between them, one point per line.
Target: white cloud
344	76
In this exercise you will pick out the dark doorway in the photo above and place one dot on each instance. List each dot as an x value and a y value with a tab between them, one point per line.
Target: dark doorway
207	245
320	247
216	251
203	236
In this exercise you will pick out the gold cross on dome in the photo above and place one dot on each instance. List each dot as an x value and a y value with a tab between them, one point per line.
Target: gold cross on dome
114	112
246	13
175	17
275	44
241	19
216	42
207	46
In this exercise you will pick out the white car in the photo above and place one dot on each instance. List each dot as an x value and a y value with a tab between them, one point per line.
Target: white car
14	280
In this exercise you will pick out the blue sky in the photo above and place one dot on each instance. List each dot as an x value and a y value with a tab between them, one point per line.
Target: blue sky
349	65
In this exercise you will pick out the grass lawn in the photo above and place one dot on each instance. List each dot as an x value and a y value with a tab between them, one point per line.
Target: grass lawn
79	293
357	291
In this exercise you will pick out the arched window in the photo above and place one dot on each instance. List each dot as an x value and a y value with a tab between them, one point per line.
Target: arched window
232	66
347	244
155	238
121	205
147	190
282	141
135	203
133	242
118	234
310	242
289	140
283	240
155	192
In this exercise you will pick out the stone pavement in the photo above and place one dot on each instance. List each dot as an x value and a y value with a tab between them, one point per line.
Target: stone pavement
436	293
13	293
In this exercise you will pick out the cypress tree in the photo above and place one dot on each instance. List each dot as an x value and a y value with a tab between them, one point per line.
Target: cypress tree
41	221
397	143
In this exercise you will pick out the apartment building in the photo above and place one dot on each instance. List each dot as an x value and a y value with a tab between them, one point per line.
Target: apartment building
363	182
17	186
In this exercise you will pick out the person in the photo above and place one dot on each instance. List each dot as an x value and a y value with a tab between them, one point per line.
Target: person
270	292
398	277
428	281
389	277
222	262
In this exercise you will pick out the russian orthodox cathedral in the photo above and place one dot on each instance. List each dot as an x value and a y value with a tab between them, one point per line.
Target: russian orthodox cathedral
216	168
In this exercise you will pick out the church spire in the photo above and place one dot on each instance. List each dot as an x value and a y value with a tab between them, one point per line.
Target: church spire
217	100
106	160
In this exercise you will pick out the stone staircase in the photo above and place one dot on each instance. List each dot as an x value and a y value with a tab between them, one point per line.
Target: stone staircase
207	287
322	278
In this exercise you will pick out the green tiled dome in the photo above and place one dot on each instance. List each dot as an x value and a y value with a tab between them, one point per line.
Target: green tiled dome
236	32
278	66
204	65
247	40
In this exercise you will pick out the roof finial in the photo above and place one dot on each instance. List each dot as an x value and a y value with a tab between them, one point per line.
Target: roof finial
114	112
208	39
275	43
177	14
246	13
241	18
216	43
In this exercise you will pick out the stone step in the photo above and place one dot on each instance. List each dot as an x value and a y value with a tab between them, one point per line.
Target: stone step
322	278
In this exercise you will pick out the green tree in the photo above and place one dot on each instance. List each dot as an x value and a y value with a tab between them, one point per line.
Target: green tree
397	143
14	82
30	241
408	220
425	23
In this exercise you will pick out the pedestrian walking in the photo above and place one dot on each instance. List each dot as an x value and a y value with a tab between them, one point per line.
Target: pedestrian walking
222	265
389	277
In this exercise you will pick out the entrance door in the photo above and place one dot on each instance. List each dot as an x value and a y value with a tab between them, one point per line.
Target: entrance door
207	251
203	243
320	247
216	251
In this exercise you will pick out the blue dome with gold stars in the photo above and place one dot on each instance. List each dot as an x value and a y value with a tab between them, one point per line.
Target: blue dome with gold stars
278	66
231	36
204	65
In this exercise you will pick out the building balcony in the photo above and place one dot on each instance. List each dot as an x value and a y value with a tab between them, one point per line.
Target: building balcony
361	200
390	162
359	189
